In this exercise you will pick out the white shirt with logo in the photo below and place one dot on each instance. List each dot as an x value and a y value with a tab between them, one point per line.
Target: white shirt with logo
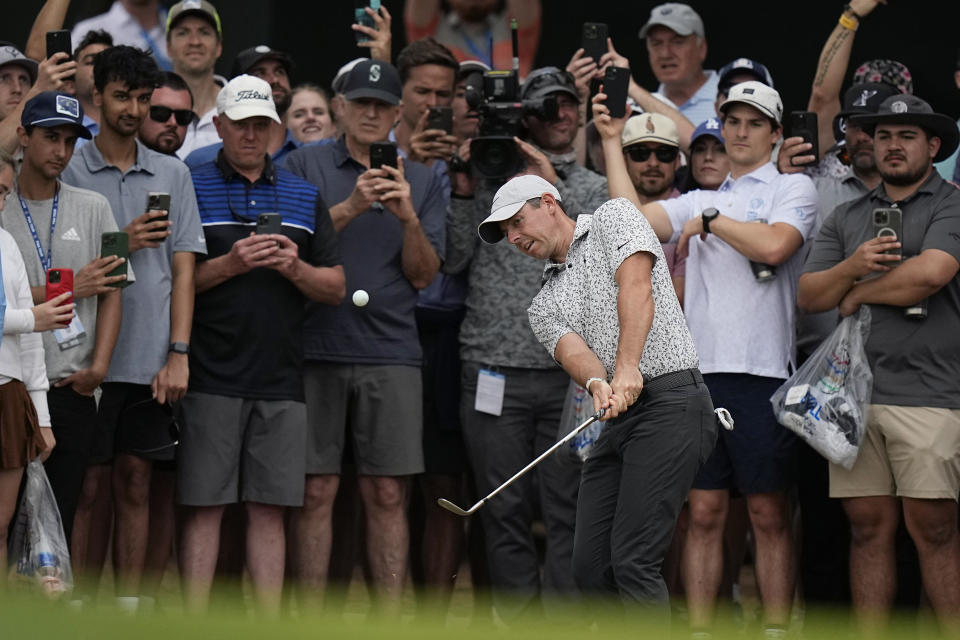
738	324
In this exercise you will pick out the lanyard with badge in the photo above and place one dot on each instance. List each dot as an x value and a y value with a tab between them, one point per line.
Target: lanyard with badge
74	334
162	61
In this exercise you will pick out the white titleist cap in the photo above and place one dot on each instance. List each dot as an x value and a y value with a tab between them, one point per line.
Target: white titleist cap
509	199
246	97
756	94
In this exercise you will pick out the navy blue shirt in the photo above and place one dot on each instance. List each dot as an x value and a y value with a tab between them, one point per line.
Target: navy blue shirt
385	330
209	153
246	339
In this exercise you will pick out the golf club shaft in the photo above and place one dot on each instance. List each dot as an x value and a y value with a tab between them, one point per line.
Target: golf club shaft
559	443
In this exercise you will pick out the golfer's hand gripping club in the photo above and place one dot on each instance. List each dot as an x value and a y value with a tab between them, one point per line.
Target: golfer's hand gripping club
449	506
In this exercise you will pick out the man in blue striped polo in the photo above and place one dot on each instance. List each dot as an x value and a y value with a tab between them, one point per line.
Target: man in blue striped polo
245	419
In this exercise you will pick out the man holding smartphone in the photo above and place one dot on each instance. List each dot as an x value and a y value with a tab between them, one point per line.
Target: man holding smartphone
743	330
149	368
910	455
77	359
362	369
245	415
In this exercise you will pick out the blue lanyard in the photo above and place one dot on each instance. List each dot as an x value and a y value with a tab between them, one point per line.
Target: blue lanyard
46	259
484	56
162	61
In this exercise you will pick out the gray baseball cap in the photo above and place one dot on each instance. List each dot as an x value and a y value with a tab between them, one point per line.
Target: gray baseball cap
9	54
676	16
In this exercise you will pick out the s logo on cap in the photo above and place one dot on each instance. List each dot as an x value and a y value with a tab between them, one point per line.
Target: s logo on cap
374	73
68	106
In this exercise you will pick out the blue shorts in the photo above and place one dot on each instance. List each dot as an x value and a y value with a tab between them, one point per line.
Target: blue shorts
759	455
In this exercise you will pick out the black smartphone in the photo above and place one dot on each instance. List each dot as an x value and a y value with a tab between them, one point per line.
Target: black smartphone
269	223
616	81
360	16
383	153
440	118
887	222
157	201
116	243
58	41
804	125
594	40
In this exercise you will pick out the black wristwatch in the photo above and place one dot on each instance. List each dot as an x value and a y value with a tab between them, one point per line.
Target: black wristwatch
180	347
708	216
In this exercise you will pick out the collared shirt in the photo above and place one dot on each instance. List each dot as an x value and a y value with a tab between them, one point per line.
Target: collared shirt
200	133
384	331
246	339
83	216
700	106
126	30
914	362
741	325
501	280
144	339
580	295
813	328
209	153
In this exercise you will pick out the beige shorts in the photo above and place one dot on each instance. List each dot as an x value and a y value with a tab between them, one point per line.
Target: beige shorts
908	451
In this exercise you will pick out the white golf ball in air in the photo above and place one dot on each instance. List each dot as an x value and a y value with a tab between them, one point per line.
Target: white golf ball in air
361	298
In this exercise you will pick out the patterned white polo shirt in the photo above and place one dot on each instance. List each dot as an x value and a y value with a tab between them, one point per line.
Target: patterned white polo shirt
580	296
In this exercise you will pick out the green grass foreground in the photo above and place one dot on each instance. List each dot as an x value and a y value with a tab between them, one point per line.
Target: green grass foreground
27	616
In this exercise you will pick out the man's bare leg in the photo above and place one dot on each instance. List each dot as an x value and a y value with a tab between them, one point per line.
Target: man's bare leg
92	526
776	563
933	526
198	555
311	529
388	536
266	549
443	535
131	490
873	566
160	537
703	554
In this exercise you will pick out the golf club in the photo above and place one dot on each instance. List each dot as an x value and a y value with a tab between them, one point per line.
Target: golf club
449	506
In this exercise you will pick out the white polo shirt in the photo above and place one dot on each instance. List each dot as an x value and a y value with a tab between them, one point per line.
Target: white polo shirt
738	324
126	30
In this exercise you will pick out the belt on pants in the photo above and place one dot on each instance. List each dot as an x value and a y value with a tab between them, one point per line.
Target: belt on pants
671	381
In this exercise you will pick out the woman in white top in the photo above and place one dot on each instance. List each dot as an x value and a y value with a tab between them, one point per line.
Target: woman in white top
24	419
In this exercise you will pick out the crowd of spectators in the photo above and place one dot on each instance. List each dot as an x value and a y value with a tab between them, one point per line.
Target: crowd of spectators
302	343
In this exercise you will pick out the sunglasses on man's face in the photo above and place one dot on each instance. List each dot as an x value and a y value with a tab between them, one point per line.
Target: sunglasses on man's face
162	114
642	154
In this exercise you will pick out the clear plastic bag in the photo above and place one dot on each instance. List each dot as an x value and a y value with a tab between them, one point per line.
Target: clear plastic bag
38	550
825	401
577	408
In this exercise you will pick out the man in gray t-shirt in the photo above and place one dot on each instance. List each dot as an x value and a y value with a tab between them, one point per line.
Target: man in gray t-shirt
910	453
149	369
58	228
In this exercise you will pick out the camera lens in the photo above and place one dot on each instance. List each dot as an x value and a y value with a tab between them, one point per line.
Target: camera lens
54	276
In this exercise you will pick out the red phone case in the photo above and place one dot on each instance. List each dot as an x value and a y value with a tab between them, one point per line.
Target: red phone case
56	288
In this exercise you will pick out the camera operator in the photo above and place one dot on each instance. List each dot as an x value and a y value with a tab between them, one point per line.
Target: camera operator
496	340
911	451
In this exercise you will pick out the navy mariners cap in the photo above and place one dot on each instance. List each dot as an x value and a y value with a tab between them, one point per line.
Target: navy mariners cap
373	79
51	109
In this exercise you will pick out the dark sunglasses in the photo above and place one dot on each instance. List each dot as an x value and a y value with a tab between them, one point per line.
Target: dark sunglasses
162	114
642	154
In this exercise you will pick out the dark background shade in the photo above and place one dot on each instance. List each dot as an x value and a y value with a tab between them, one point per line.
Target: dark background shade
786	36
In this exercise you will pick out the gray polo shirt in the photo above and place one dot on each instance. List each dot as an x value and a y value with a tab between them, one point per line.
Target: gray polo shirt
915	363
82	216
144	339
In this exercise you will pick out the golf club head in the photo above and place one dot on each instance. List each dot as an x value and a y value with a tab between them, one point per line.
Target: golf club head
452	508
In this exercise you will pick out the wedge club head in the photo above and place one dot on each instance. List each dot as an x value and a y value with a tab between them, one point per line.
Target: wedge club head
452	508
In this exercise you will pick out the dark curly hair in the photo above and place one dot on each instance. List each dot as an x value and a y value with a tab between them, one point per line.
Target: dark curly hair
131	66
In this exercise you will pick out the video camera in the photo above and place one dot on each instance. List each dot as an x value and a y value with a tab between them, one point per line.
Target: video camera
494	154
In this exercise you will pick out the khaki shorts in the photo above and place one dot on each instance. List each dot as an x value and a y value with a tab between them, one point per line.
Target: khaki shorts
908	451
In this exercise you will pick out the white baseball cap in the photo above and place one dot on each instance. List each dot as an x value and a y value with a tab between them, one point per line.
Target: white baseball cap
650	127
758	95
509	199
247	97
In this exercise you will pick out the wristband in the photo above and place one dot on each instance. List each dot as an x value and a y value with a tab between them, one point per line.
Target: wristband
589	380
848	23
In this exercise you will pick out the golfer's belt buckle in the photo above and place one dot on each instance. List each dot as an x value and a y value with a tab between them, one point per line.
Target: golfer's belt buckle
724	418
